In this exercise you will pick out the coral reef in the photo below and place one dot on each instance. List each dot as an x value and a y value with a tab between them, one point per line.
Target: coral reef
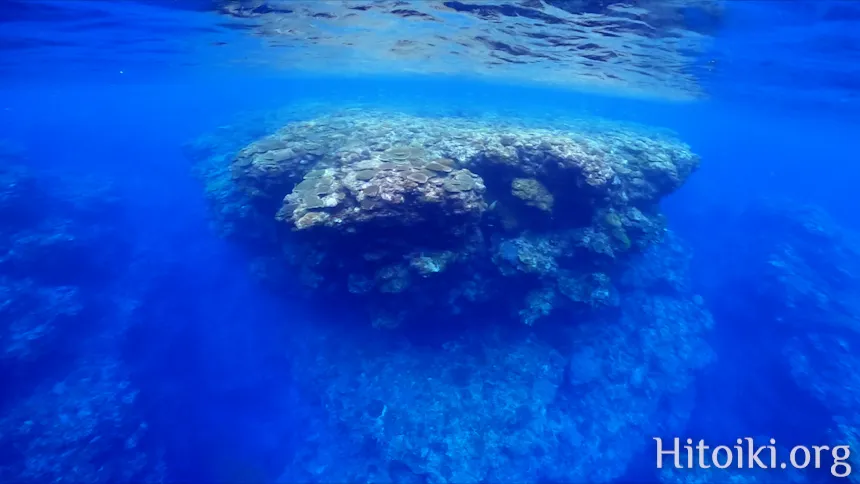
427	224
496	405
533	193
369	197
361	204
810	273
80	428
789	298
67	407
59	247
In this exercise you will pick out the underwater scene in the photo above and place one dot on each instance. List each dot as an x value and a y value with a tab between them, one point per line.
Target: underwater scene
429	241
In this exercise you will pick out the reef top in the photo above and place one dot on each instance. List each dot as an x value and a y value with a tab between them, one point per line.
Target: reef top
339	168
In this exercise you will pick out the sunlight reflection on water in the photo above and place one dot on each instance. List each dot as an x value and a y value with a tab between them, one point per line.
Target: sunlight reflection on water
646	50
664	49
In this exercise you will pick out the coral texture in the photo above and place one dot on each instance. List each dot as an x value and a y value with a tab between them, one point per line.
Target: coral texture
493	404
370	204
427	224
788	297
68	409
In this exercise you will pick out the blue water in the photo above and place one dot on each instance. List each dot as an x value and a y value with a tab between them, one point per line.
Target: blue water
157	324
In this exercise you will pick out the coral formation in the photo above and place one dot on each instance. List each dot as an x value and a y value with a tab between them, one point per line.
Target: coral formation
67	412
538	214
811	275
370	197
56	253
80	428
788	296
533	193
436	220
493	405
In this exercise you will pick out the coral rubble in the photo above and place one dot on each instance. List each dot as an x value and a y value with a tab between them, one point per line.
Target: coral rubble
398	210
